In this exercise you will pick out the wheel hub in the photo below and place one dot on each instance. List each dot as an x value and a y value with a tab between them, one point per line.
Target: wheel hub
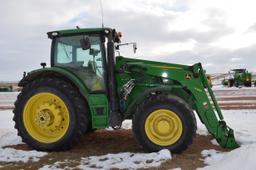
163	127
48	116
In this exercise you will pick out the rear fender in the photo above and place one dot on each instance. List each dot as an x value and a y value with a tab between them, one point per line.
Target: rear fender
56	72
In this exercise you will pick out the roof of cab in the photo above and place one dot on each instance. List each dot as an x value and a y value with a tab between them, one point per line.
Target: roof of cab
76	31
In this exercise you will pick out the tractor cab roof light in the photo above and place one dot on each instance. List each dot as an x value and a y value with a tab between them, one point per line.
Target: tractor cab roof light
52	34
55	33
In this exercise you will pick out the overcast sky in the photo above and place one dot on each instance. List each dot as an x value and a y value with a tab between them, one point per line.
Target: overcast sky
219	33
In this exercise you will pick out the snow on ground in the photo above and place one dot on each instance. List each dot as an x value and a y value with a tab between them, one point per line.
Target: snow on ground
221	87
132	160
8	98
125	160
240	158
8	136
242	121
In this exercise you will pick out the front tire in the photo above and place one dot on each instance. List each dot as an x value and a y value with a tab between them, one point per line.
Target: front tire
164	122
248	84
230	83
50	114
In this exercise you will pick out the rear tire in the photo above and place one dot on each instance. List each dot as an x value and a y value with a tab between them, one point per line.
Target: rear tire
164	122
50	114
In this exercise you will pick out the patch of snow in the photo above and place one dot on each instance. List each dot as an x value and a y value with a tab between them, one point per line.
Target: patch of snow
212	156
13	155
201	129
53	166
8	136
240	158
8	98
126	160
127	124
235	92
214	142
221	87
243	124
237	101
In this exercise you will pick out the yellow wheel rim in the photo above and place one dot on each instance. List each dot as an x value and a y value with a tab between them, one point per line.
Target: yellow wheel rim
163	127
46	117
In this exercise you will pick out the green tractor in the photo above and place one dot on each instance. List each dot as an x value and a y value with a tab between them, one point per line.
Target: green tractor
238	77
87	87
6	88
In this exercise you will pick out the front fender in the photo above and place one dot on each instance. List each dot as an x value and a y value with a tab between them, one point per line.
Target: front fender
179	91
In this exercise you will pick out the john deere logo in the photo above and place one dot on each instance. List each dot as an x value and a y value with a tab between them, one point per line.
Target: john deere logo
188	76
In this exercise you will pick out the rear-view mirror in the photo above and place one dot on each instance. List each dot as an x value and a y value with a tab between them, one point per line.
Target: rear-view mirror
85	43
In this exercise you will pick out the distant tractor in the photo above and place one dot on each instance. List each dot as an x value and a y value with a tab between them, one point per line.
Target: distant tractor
87	87
4	88
238	77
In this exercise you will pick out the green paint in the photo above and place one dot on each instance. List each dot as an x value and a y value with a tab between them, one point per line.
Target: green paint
179	83
98	104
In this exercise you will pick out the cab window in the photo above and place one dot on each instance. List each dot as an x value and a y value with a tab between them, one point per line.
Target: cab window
85	61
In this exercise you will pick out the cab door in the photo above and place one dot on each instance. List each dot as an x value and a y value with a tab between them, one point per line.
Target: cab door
88	63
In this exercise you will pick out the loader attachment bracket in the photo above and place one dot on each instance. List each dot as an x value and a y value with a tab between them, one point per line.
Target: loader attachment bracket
225	136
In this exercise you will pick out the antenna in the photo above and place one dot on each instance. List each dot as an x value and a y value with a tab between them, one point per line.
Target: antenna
101	9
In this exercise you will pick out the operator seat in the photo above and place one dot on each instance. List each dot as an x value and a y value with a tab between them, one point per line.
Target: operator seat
91	67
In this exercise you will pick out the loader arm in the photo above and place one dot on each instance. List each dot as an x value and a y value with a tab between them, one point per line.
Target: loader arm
211	116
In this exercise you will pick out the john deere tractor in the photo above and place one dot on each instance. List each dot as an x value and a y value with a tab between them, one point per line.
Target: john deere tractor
238	77
87	87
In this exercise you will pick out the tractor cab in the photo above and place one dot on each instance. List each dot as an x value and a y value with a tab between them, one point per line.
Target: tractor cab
83	52
89	54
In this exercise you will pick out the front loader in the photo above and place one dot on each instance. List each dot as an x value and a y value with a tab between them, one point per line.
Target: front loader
87	87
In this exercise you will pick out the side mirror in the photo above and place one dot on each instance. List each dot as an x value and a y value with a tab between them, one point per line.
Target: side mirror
85	43
117	47
134	45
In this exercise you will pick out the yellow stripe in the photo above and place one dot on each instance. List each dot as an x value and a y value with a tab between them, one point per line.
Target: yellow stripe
167	67
197	89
